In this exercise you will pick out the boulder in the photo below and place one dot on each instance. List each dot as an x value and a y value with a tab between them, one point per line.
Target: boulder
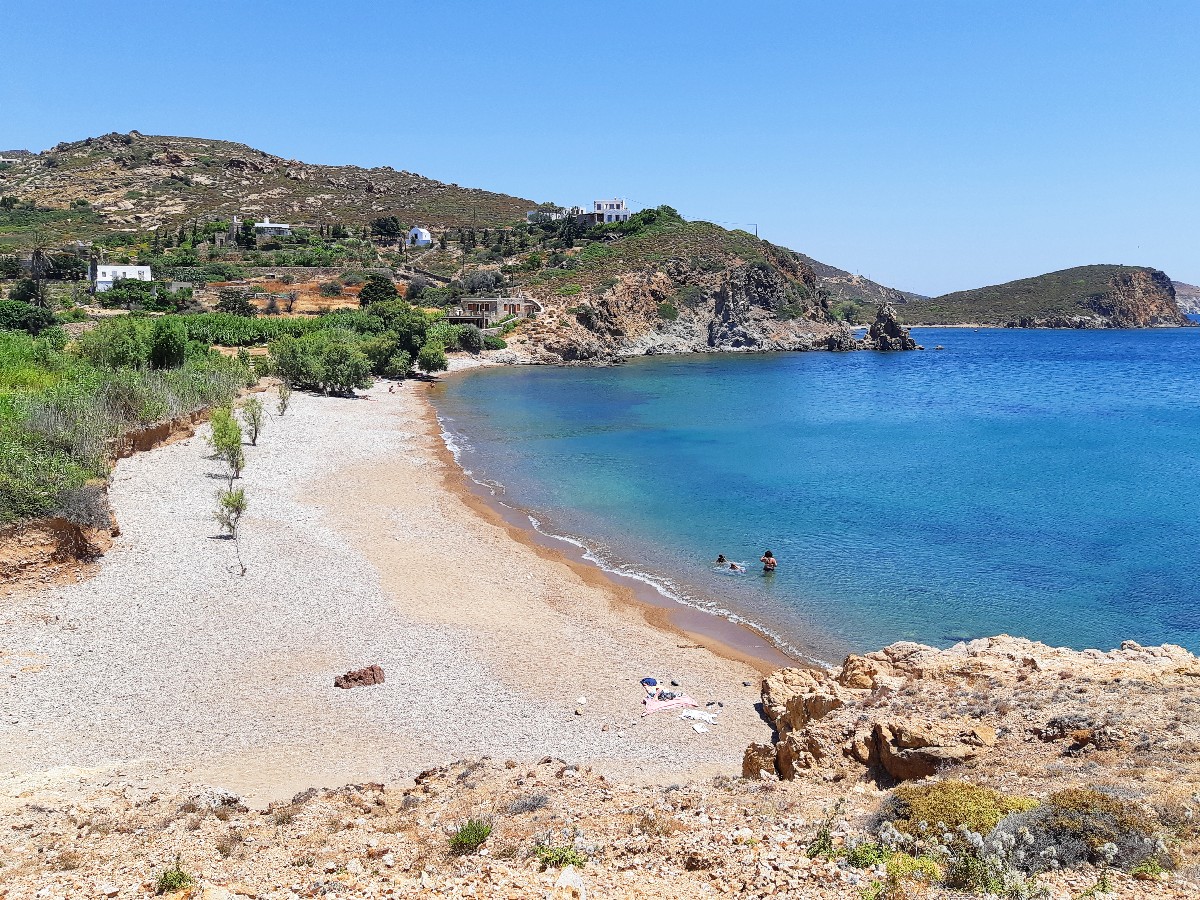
887	333
909	749
757	760
359	678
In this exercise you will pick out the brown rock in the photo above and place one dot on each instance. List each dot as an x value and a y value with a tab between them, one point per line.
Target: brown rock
359	678
758	758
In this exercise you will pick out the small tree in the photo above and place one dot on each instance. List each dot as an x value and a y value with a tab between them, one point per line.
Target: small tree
376	289
231	506
432	358
226	441
168	343
252	415
285	397
231	300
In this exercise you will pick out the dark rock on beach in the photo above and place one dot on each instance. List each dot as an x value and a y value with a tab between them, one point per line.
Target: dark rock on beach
359	678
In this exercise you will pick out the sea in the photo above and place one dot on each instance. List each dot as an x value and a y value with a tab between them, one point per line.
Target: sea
1030	482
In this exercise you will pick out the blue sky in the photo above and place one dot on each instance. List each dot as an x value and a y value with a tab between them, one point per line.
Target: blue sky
932	146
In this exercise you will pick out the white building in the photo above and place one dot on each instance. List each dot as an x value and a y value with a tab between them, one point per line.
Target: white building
106	275
267	228
610	211
419	237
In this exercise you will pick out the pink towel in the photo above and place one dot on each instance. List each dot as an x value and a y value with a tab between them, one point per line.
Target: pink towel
682	702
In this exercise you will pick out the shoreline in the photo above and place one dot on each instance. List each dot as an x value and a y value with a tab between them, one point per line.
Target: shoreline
740	642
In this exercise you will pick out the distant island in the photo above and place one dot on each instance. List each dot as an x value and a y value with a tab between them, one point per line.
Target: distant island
1103	296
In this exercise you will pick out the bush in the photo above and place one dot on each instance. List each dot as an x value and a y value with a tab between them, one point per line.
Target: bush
330	361
121	343
470	338
527	804
951	804
558	857
491	342
866	854
1075	826
470	837
668	311
26	291
168	343
231	506
252	415
174	879
17	315
331	289
432	358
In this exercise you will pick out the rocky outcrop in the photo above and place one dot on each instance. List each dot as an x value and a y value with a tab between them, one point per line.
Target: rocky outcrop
911	711
887	333
359	678
1142	298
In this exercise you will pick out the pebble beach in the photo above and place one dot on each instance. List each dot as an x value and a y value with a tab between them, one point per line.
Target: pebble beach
168	668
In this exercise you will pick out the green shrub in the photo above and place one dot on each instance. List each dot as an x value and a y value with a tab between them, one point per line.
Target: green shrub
668	311
470	836
432	358
549	857
120	343
226	440
866	854
174	879
19	316
952	804
168	343
470	338
491	342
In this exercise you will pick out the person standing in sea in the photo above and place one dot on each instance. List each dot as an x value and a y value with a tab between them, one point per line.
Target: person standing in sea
769	561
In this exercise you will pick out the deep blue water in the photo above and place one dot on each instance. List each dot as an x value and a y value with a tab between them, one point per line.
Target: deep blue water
1040	483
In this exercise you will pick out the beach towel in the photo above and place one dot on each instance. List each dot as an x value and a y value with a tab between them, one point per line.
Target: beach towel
681	702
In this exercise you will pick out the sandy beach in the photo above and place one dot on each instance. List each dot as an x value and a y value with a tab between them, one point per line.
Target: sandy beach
363	547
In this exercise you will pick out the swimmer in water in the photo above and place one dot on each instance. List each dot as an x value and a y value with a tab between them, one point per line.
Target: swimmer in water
721	560
734	567
769	561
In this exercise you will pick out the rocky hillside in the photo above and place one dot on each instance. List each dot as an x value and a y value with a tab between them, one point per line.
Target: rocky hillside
843	285
139	181
680	287
1187	296
996	768
1101	296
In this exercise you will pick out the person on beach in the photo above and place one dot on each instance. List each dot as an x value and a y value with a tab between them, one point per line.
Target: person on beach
721	560
769	561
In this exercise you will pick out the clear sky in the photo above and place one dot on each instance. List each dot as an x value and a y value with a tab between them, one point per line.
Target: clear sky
931	146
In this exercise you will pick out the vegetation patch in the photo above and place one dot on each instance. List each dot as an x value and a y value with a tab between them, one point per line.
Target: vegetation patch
470	836
952	804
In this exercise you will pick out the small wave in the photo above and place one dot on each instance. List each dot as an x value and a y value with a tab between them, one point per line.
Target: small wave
671	591
668	589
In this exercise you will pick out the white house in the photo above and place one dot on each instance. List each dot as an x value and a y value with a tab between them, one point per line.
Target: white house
610	211
268	228
106	275
419	237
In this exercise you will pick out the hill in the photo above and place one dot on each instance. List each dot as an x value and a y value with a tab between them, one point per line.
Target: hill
1098	296
1187	296
842	285
141	182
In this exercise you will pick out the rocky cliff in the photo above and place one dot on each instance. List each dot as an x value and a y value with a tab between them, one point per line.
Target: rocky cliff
686	288
911	711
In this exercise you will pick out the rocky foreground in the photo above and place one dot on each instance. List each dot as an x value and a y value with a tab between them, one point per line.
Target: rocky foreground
1079	768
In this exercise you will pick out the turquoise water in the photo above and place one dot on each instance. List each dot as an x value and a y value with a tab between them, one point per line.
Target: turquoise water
1039	483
